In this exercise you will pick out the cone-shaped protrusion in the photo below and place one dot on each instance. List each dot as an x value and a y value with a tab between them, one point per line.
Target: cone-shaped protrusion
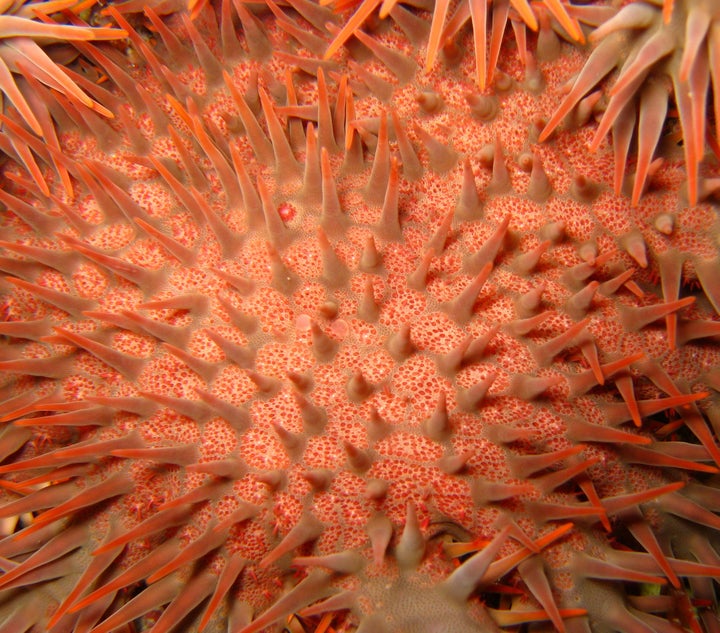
418	278
314	418
115	485
469	351
358	388
286	165
332	219
584	190
195	175
530	302
381	88
693	329
485	491
462	308
454	464
335	273
302	382
670	263
137	405
411	166
324	348
347	562
205	369
243	285
470	399
411	547
74	306
707	274
468	207
487	253
282	278
441	234
389	226
250	197
531	387
307	529
31	330
273	479
293	443
500	182
146	280
178	188
340	120
611	286
320	479
524	466
556	232
590	352
368	308
122	200
400	345
540	188
634	244
236	417
636	318
267	385
128	366
377	428
376	489
401	65
581	431
460	585
378	181
175	335
441	157
43	224
256	38
246	323
194	410
534	577
326	134
217	158
527	262
413	26
183	254
523	327
437	427
62	261
545	353
359	459
353	160
617	413
370	259
182	455
278	234
329	309
625	386
579	304
483	107
380	531
312	183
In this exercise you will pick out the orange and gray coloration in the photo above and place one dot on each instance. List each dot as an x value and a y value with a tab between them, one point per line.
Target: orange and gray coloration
354	318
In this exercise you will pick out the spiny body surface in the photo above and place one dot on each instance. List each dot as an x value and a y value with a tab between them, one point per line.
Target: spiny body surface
337	344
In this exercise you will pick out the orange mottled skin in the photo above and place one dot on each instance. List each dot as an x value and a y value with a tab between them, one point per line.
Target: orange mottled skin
271	386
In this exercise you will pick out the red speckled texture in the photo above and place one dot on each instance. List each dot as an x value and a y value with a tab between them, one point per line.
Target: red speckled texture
311	402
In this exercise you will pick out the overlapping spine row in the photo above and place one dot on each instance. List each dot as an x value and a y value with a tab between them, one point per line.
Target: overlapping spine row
276	352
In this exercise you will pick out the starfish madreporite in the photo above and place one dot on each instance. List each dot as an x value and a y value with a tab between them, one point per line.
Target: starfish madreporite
339	345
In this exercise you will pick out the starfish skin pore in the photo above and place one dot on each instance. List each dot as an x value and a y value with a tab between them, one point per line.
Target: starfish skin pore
339	345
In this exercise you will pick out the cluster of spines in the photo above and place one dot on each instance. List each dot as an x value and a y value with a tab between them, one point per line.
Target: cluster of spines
478	569
659	65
